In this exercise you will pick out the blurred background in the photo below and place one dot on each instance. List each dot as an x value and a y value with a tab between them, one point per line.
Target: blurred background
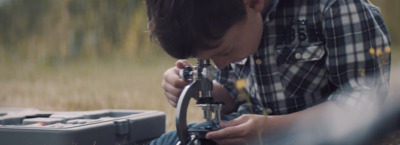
67	55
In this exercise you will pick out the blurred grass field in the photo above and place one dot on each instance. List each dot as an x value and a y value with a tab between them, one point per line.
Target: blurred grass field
89	85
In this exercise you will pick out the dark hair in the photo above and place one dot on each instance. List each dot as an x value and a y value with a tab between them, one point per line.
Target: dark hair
183	27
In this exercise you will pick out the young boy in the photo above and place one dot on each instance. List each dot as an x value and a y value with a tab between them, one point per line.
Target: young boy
297	56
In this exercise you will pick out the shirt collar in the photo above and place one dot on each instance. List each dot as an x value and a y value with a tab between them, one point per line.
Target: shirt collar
274	5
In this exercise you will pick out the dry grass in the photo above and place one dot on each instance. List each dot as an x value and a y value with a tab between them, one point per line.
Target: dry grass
89	85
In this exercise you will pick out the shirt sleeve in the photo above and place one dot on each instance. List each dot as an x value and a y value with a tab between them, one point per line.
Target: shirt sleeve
358	53
226	78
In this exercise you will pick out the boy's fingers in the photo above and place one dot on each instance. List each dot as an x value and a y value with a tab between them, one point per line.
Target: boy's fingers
174	80
182	63
173	104
230	129
234	122
180	83
229	132
171	96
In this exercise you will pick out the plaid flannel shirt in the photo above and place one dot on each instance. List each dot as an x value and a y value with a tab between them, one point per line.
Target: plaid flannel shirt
313	51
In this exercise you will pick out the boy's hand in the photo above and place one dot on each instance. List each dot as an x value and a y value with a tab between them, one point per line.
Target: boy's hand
239	131
172	84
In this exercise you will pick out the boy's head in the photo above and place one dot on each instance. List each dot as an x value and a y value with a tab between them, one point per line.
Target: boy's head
205	28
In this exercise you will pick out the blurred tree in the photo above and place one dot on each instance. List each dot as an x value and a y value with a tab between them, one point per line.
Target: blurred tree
48	30
20	18
60	30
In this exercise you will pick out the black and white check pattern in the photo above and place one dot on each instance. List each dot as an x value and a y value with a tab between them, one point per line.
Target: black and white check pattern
313	51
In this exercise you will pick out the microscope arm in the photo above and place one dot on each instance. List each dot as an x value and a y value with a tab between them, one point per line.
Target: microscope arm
181	111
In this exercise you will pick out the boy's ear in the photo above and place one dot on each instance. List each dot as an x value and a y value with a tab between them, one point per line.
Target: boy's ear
256	5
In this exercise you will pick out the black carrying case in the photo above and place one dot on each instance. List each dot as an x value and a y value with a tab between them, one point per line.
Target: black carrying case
102	127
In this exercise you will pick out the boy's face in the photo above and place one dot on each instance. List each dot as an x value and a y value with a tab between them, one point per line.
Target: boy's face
240	41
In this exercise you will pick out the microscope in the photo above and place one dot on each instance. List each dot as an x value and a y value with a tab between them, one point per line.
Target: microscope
200	77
